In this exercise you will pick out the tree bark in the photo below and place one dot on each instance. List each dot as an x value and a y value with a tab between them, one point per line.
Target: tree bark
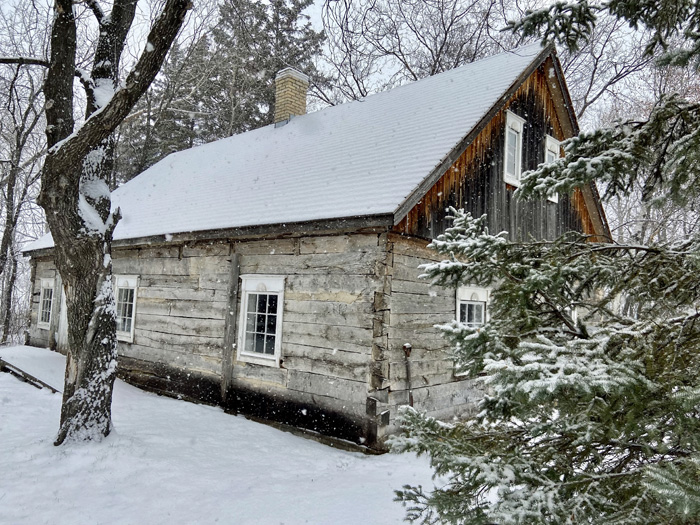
7	307
76	199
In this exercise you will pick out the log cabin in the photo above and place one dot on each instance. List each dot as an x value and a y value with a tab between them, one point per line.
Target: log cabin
276	272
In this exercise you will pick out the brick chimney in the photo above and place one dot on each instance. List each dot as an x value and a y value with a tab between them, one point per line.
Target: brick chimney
290	95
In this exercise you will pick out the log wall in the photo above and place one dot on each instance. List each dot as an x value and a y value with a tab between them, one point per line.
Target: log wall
182	310
43	268
327	332
414	308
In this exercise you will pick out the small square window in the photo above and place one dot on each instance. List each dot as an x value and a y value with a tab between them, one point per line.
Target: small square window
472	313
45	303
125	287
472	308
260	333
512	161
472	305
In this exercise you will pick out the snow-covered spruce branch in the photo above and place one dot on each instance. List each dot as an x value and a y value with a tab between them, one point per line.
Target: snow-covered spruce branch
657	154
571	421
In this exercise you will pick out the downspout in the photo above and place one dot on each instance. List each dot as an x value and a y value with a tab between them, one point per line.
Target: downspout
407	353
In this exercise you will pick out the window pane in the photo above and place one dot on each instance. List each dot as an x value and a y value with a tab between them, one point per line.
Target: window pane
252	301
272	304
511	151
478	314
260	343
262	303
270	344
260	323
249	342
250	322
551	157
271	326
462	313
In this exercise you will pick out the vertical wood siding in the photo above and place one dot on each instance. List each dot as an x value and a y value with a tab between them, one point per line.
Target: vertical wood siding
475	181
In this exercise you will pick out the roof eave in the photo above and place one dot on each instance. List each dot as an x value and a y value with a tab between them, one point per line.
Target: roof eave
320	226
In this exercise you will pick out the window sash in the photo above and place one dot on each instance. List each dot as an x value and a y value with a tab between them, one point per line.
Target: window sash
513	149
260	335
125	309
125	298
552	149
472	313
45	303
260	326
512	153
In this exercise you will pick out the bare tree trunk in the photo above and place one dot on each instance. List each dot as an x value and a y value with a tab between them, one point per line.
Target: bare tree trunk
9	294
76	199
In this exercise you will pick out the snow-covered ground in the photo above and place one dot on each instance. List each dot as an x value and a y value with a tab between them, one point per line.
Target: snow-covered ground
173	462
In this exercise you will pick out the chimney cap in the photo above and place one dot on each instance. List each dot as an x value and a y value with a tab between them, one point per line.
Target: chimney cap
291	72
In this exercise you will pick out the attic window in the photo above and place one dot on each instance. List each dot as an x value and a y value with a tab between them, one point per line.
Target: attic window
552	151
512	162
260	334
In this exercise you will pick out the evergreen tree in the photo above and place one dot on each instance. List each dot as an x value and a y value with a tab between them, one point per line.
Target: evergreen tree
590	363
255	40
219	85
168	116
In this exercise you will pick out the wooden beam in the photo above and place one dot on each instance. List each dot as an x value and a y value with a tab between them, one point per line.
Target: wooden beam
364	224
24	376
228	352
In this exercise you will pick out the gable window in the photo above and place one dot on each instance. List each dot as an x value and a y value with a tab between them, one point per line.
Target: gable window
552	148
471	305
260	331
45	303
125	296
512	162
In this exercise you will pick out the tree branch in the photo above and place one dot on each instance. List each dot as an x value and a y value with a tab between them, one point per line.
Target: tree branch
24	61
101	124
96	10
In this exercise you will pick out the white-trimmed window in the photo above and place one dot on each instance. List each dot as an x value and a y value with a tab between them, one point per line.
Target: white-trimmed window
513	155
45	303
472	303
552	151
260	330
125	287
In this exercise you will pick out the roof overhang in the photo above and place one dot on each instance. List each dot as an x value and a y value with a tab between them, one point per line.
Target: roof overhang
318	227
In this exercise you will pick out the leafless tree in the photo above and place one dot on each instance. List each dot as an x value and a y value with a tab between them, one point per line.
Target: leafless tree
74	191
602	72
376	44
21	147
632	217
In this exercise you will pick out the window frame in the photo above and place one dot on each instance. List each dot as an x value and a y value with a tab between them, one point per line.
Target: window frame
517	124
552	145
46	283
465	295
125	282
259	284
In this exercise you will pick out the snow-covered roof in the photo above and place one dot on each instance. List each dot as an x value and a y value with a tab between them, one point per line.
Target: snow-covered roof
357	159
